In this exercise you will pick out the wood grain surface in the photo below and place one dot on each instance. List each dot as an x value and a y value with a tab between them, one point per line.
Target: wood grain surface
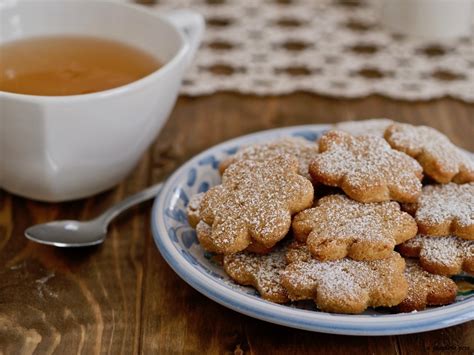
121	297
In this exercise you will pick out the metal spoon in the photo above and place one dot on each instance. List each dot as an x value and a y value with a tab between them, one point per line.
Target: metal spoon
80	234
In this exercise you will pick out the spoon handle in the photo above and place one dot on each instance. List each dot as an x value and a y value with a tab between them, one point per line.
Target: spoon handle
130	201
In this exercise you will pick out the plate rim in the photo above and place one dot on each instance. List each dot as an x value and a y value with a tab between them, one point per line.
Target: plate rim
393	324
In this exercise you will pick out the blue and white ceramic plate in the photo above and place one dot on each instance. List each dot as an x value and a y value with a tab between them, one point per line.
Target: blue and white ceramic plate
177	242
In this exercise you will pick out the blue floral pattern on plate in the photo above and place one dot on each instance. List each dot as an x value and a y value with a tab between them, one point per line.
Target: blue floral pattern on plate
178	244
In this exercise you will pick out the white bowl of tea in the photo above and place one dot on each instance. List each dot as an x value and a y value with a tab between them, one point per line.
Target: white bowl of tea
85	87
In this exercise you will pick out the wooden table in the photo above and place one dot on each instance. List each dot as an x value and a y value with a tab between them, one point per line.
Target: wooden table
122	297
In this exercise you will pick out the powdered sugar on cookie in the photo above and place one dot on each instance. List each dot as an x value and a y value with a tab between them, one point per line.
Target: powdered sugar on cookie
366	168
254	202
260	271
297	251
300	148
446	209
347	286
204	232
441	159
447	255
374	127
338	227
426	289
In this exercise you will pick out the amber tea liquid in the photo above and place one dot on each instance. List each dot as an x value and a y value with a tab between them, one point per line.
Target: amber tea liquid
70	65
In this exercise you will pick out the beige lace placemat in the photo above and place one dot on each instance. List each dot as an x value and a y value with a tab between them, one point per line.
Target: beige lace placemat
330	47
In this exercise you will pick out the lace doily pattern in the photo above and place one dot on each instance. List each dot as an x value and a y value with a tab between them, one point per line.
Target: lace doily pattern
331	47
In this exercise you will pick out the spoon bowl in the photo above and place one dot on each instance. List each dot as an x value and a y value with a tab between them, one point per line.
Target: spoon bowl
68	233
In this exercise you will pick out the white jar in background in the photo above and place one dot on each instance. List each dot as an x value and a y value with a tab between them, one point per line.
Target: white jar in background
430	19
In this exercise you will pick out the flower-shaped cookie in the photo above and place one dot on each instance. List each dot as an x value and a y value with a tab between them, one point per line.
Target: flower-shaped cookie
445	209
254	202
298	147
441	255
260	271
426	289
374	127
441	160
338	227
366	168
346	285
204	232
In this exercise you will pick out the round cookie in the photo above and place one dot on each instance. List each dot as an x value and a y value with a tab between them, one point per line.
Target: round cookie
374	127
255	202
441	255
366	168
425	289
298	147
445	209
440	158
346	285
338	227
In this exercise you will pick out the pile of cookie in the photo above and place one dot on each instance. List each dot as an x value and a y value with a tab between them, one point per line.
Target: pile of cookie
345	221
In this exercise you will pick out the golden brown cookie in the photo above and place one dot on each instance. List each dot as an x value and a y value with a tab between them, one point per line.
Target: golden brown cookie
204	235
374	127
338	227
193	209
445	209
346	285
426	289
441	255
263	272
441	160
366	168
297	251
258	248
255	202
301	148
194	219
